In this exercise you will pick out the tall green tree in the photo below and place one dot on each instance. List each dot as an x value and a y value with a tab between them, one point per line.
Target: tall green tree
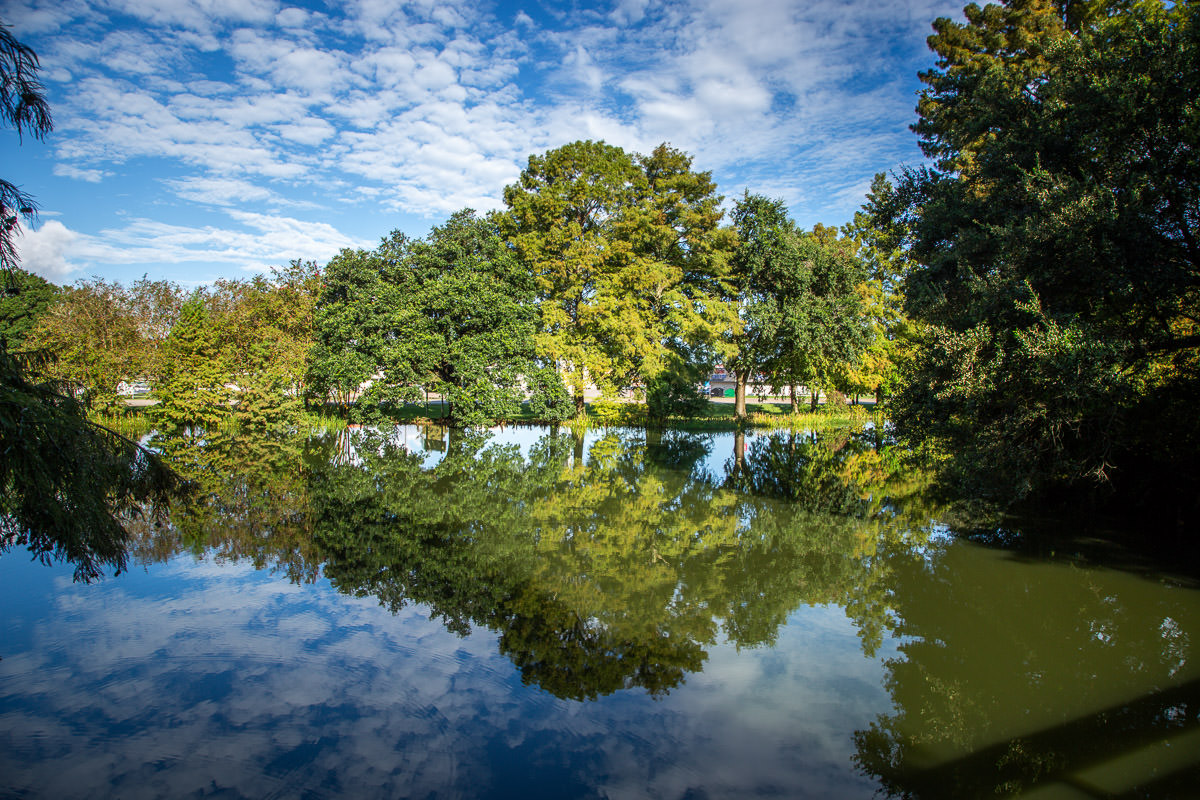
800	314
89	342
351	325
451	314
155	306
892	336
626	251
266	333
466	320
823	328
752	342
24	300
1054	248
194	390
561	218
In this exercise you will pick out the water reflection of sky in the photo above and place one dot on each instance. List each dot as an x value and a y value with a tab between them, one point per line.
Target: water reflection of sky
195	677
719	444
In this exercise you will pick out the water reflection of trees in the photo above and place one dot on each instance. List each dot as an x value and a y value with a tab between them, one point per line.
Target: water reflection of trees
620	565
615	568
250	501
1011	679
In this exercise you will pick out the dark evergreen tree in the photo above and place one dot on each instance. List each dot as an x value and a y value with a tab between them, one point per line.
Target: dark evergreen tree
1053	249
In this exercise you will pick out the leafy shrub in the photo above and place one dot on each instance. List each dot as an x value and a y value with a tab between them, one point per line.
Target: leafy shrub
549	400
674	394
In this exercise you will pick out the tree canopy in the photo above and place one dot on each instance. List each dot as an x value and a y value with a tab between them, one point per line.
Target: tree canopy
451	314
24	300
625	251
1053	247
797	300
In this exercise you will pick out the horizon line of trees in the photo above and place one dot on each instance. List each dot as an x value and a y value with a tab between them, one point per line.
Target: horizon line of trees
606	268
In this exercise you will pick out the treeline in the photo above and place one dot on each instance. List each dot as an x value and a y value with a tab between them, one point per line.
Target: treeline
244	341
606	268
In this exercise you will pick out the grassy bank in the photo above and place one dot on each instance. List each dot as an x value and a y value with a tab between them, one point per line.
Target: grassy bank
135	422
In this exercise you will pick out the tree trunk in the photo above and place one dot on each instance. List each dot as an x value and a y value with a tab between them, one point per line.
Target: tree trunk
580	384
739	394
816	395
795	401
578	449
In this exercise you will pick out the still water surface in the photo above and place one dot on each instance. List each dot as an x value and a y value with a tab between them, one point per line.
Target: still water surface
412	613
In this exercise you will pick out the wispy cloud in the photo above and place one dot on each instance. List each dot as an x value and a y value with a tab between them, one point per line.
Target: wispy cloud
422	108
260	241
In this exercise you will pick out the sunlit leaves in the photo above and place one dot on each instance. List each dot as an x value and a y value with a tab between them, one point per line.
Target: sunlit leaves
626	252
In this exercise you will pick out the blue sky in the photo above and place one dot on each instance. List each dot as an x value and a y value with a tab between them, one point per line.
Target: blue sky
201	139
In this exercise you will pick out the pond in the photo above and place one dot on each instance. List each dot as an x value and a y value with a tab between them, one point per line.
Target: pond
417	612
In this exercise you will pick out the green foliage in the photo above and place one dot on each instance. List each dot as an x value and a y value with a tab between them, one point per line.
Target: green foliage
349	323
468	305
265	401
763	231
193	391
450	314
822	326
237	352
625	252
549	400
612	412
891	336
800	312
676	393
88	342
70	487
265	332
1053	250
24	300
154	307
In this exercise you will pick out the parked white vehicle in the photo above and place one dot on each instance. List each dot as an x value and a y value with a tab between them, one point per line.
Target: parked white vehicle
130	389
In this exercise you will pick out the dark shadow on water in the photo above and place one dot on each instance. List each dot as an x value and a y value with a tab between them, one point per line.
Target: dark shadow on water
1057	754
1082	538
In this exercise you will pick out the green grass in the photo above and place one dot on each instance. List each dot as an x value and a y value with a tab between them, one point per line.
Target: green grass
319	422
778	415
721	416
135	423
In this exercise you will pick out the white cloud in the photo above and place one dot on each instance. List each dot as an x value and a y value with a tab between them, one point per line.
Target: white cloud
219	191
43	251
586	72
427	106
629	12
199	15
89	175
263	241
